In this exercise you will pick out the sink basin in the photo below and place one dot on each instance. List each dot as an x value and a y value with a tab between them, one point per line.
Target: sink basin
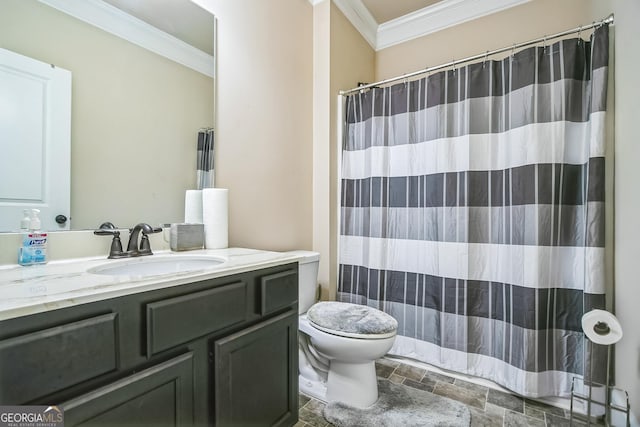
157	265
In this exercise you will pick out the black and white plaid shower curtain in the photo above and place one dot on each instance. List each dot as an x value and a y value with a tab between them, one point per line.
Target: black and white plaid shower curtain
472	210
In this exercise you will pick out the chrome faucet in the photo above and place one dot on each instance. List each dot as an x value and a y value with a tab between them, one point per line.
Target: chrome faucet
145	247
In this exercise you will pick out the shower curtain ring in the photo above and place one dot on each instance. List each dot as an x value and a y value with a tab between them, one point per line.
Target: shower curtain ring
453	61
486	56
579	35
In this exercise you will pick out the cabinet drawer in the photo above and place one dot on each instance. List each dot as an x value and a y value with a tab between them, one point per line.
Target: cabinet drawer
182	319
43	362
278	291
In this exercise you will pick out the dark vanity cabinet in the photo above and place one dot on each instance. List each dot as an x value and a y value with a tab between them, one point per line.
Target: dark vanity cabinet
218	352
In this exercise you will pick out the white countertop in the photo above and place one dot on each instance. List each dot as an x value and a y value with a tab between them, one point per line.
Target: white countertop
59	284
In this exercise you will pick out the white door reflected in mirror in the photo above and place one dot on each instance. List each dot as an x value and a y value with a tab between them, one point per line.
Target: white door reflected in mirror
35	130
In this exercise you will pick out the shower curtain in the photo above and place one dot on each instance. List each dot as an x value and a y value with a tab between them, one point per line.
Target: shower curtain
204	160
472	210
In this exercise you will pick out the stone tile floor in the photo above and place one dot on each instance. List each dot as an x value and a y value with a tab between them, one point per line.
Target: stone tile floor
488	407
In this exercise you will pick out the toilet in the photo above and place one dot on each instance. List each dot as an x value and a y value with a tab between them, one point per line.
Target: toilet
338	343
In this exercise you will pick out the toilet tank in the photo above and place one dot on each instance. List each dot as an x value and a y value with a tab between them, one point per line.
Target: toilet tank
307	279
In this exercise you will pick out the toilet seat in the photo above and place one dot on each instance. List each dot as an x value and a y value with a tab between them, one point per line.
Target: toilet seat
351	320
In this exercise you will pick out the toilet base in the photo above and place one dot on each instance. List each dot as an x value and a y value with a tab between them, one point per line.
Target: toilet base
337	368
315	389
354	384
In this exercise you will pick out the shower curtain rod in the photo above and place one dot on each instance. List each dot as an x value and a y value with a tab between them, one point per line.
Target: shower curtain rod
607	20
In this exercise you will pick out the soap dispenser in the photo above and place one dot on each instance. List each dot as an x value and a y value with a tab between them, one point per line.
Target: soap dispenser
34	242
26	219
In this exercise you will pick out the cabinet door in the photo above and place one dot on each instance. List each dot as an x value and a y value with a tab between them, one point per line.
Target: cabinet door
256	375
158	396
35	125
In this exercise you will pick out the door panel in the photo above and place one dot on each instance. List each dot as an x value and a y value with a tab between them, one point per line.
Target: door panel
35	140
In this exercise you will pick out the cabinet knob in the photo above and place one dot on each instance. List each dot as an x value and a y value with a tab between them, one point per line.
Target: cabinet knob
61	219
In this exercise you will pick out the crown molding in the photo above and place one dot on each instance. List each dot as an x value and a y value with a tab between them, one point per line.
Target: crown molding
358	14
439	16
121	24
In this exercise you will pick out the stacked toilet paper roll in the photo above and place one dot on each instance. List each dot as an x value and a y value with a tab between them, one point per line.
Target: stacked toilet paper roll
193	207
209	207
215	208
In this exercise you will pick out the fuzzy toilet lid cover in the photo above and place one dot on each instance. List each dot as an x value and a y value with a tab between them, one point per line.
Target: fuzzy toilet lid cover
351	318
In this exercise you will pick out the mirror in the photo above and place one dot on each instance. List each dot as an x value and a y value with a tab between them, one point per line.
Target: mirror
135	111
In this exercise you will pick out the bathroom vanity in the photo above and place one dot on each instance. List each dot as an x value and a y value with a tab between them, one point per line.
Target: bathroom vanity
214	348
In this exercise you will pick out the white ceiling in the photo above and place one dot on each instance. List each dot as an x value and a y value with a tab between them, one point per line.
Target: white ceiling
385	10
384	23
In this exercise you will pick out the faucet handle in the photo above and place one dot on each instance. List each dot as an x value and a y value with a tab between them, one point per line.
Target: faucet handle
107	229
153	230
116	244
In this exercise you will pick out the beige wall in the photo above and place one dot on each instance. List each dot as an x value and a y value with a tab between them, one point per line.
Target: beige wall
528	21
532	20
352	61
322	138
341	59
264	139
135	116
